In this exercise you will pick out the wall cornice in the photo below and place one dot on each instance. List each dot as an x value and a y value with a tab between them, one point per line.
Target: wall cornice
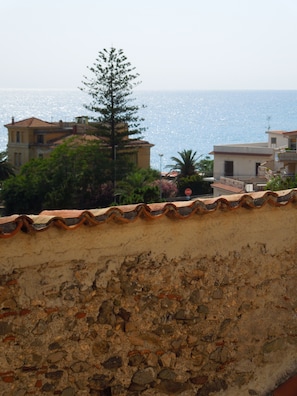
72	219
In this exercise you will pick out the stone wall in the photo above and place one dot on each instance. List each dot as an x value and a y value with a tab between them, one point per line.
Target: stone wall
200	306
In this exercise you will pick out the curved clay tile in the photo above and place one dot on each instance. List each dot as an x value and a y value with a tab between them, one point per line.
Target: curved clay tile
181	210
289	388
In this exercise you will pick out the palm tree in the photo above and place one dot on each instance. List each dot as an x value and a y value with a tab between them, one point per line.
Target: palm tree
6	168
139	186
186	164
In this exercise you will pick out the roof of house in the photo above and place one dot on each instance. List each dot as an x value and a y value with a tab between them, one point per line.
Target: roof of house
139	142
75	137
276	132
34	122
284	133
248	149
72	219
80	138
291	133
31	122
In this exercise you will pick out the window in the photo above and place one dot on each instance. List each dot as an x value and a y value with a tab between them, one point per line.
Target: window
18	137
273	140
17	159
228	171
40	139
292	144
257	167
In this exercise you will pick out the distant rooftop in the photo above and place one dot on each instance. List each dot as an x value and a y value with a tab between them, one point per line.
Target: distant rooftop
32	122
244	148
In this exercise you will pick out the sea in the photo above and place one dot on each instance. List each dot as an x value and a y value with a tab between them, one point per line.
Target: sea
173	120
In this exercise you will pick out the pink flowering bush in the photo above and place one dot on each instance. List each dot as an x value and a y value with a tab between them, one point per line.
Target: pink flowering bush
168	187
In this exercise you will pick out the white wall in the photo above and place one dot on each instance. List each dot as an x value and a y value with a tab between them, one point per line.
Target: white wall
243	165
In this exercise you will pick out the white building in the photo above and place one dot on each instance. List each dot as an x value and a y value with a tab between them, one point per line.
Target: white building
246	167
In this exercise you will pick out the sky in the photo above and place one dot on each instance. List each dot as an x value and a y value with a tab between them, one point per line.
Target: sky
173	44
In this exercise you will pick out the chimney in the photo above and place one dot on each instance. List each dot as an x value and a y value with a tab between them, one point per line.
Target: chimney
12	120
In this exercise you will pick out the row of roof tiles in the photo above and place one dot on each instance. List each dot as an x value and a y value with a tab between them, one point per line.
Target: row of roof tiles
72	219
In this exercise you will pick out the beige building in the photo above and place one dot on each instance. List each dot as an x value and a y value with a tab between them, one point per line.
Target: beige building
240	160
246	167
35	138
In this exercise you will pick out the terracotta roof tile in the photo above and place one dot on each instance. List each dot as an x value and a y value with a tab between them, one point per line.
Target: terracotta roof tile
293	133
31	122
76	137
72	219
289	388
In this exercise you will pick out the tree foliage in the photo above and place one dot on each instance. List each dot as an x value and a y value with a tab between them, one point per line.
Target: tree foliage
24	193
76	175
191	171
110	88
186	164
278	183
6	169
167	188
76	171
139	187
195	183
205	166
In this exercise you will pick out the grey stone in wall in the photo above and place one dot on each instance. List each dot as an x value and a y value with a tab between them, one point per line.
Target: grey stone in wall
148	325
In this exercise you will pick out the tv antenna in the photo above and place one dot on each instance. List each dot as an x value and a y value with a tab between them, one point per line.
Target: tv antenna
268	122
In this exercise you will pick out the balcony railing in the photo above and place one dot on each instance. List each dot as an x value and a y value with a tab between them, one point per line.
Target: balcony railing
288	156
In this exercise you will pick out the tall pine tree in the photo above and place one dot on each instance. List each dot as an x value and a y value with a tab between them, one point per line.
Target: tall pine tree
111	87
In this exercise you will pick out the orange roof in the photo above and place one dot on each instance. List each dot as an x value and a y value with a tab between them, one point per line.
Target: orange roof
288	388
30	122
76	137
181	210
293	133
138	142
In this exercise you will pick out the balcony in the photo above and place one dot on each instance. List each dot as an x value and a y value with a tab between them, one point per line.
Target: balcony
289	156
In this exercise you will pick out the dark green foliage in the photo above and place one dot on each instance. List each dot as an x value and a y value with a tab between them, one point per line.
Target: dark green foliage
25	192
76	172
76	175
195	183
6	169
205	166
144	194
110	87
186	164
281	183
138	187
191	172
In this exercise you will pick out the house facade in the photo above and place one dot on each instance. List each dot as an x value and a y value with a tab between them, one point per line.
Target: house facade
35	138
289	155
245	167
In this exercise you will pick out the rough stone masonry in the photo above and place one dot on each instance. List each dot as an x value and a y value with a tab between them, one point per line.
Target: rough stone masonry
206	321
